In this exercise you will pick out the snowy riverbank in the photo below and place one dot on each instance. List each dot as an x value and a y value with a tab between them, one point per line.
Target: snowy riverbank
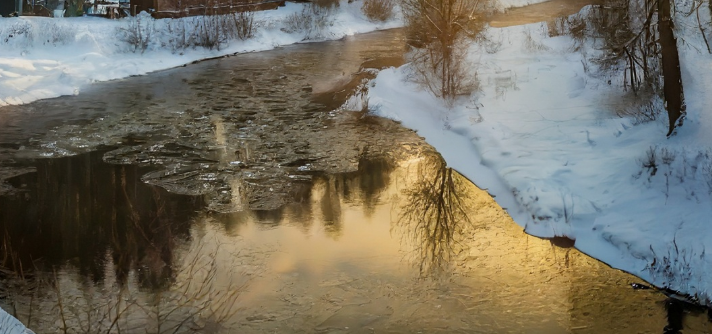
10	325
552	138
45	57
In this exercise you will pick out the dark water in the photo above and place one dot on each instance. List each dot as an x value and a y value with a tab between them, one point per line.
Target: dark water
254	119
230	197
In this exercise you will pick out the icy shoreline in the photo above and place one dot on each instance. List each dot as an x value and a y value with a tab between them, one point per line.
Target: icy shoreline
44	57
10	325
551	139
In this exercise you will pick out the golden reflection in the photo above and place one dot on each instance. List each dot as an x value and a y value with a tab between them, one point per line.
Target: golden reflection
366	185
329	199
304	278
502	280
434	214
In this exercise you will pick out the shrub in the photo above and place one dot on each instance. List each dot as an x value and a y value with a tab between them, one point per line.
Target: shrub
297	22
312	21
444	70
646	107
378	10
138	32
651	161
22	34
56	34
211	31
325	4
244	24
533	45
439	32
178	36
18	32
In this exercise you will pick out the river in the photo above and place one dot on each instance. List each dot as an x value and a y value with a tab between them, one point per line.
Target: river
230	196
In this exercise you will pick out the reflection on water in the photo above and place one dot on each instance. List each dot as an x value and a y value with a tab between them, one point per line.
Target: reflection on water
322	199
322	221
246	130
348	254
71	210
435	215
88	247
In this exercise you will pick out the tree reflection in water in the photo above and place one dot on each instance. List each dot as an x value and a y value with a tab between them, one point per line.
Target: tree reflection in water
321	199
87	247
362	187
77	209
435	215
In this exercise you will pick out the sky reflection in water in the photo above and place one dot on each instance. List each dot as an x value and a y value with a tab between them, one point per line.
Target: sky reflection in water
401	244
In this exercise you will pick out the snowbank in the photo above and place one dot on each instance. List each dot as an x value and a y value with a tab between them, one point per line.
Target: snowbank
44	57
547	136
10	325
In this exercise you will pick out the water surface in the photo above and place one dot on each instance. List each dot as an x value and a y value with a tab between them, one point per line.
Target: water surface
230	196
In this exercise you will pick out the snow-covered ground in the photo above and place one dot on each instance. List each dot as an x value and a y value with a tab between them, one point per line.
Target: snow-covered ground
45	57
10	325
547	135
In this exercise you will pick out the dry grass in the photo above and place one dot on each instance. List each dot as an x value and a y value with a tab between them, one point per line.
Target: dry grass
378	10
244	24
326	4
312	21
139	32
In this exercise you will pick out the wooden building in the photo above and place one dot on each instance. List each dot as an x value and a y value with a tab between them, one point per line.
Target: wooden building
8	7
183	8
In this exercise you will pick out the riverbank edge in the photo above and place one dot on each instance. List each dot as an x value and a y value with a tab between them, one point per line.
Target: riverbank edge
42	63
443	131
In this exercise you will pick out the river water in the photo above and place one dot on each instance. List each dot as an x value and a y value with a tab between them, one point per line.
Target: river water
231	196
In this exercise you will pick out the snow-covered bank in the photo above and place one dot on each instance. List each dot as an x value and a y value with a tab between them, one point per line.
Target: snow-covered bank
554	139
10	325
44	57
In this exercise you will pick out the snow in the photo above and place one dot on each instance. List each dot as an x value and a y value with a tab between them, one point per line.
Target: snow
10	325
544	134
45	57
548	136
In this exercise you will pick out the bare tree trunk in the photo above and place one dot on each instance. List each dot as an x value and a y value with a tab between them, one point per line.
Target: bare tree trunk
672	79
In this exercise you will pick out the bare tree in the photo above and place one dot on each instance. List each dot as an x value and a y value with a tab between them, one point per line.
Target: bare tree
672	78
628	28
437	31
